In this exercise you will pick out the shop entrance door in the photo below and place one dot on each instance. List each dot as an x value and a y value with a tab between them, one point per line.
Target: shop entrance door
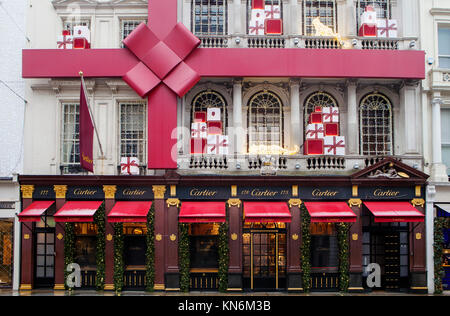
264	253
45	257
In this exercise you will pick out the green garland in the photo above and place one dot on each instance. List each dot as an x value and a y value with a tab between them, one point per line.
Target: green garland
118	257
439	224
69	249
305	248
183	257
99	220
344	267
223	257
150	252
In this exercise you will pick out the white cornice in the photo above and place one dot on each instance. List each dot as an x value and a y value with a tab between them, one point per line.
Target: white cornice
440	11
63	4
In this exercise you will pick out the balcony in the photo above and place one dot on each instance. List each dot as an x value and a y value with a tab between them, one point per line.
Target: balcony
439	79
292	41
284	165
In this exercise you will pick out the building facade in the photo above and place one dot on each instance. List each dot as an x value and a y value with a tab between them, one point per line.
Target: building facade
266	89
12	92
435	20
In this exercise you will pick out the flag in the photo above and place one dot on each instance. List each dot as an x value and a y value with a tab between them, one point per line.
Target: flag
86	132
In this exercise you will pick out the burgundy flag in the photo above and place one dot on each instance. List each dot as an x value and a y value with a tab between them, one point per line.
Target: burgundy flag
86	132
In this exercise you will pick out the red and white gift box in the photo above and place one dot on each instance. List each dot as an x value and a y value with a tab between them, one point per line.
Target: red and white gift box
213	115
129	165
334	145
330	114
387	28
314	131
198	130
81	37
214	128
217	145
368	23
331	129
199	117
256	27
272	12
313	147
198	145
315	118
65	41
273	26
258	4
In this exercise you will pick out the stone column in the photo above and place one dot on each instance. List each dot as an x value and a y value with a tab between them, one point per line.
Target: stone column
418	252
238	139
352	119
235	244
294	276
60	194
356	270
110	195
438	169
160	236
172	272
27	258
296	129
429	230
294	21
237	21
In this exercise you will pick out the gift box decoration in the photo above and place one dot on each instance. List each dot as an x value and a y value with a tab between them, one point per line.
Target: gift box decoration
256	27
198	130
273	26
387	28
80	43
65	41
129	165
315	118
331	129
199	117
217	145
272	12
334	145
214	128
258	4
330	115
368	23
313	147
318	109
198	145
213	115
82	31
314	131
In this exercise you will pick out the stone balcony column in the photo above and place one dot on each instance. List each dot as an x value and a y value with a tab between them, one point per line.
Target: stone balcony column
352	120
238	139
296	127
438	169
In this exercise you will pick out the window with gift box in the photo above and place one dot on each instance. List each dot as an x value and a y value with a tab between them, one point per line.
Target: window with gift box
382	8
209	17
264	17
325	10
133	139
265	121
375	123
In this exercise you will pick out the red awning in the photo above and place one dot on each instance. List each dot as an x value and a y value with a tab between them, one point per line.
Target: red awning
388	212
266	212
129	212
34	212
77	211
202	212
330	212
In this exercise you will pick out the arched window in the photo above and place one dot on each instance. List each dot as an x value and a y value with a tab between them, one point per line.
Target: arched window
209	17
210	99
375	123
317	99
265	121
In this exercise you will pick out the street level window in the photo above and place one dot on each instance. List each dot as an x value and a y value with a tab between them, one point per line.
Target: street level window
203	242
445	137
127	26
324	246
325	10
86	245
317	99
375	115
444	47
133	139
6	252
209	17
382	7
135	244
265	121
70	140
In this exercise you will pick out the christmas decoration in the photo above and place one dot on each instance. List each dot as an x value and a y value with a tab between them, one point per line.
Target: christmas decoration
344	266
99	220
315	118
258	4
129	165
273	26
184	257
368	23
313	147
150	251
199	117
217	145
81	37
331	129
65	41
119	265
265	20
438	247
314	131
198	130
69	249
256	27
330	115
272	12
305	247
198	145
224	256
213	115
387	28
334	145
214	128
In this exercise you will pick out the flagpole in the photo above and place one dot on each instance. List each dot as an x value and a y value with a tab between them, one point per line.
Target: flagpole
90	113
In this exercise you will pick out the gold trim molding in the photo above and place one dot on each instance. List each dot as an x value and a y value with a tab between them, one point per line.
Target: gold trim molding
355	202
295	190
60	191
173	202
158	237
355	190
25	287
418	190
295	202
418	202
234	202
173	237
294	237
109	287
159	287
234	190
27	191
234	236
159	191
59	287
173	190
110	191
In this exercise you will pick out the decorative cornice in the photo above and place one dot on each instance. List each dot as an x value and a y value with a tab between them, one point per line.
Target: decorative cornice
110	191
418	202
295	202
234	202
355	202
60	191
173	202
159	191
27	191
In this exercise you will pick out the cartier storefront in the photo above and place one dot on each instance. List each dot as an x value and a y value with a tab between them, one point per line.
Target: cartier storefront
282	231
